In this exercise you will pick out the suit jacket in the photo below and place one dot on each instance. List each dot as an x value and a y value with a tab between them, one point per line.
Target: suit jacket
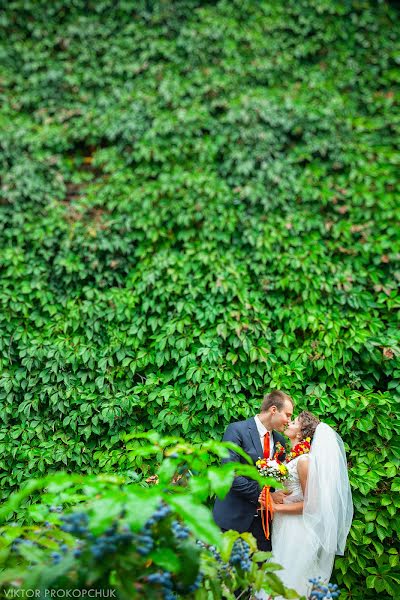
238	508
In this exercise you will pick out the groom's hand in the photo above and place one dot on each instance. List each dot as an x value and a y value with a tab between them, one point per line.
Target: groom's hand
278	496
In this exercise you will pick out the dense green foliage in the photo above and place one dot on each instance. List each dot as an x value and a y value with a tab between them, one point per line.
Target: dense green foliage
198	205
137	539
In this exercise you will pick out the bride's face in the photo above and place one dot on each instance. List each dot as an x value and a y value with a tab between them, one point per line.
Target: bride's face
293	430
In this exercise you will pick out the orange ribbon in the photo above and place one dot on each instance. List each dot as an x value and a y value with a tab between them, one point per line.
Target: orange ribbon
267	510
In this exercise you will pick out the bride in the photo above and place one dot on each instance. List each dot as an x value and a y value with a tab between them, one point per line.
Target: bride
312	524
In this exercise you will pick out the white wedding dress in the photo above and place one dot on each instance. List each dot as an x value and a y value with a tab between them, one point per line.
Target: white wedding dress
293	544
305	545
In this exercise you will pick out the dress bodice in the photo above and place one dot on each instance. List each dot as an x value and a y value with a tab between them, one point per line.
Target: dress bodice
293	482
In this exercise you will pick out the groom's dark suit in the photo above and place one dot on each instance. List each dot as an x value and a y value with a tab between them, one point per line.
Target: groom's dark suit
238	509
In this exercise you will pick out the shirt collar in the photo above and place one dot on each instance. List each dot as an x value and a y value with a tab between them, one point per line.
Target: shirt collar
260	427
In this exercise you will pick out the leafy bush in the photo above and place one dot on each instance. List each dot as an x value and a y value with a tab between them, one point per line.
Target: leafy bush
198	204
131	538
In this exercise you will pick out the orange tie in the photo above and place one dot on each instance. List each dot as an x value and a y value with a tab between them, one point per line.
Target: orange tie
266	445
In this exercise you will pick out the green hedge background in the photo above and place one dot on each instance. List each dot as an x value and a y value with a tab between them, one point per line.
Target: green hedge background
198	204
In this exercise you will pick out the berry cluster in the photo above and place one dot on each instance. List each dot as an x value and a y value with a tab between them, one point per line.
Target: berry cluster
77	551
180	531
323	591
224	568
213	551
75	524
57	556
164	579
240	556
18	541
197	583
145	542
162	512
107	543
110	541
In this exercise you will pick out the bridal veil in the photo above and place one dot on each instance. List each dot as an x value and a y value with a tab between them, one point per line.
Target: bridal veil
328	507
305	544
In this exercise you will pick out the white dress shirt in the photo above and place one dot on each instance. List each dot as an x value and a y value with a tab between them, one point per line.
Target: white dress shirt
261	432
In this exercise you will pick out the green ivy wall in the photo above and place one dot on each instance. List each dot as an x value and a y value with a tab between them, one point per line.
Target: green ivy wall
198	204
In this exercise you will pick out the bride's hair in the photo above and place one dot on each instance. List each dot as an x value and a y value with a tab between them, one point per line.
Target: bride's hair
308	424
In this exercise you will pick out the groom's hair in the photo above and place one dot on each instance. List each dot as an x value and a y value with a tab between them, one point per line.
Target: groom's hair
275	398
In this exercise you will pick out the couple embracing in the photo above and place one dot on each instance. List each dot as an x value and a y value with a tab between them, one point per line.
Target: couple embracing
312	517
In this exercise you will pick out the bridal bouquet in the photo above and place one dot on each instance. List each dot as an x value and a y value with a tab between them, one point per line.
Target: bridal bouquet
268	467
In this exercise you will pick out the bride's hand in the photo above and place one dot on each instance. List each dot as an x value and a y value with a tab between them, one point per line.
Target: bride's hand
277	507
278	497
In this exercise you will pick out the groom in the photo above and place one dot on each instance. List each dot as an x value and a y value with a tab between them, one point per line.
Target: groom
258	436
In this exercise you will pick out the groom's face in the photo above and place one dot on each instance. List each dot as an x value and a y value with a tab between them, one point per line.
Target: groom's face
281	418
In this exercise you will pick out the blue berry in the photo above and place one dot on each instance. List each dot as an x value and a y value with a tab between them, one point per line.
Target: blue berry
75	524
196	584
180	531
322	591
164	580
240	555
56	557
161	512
